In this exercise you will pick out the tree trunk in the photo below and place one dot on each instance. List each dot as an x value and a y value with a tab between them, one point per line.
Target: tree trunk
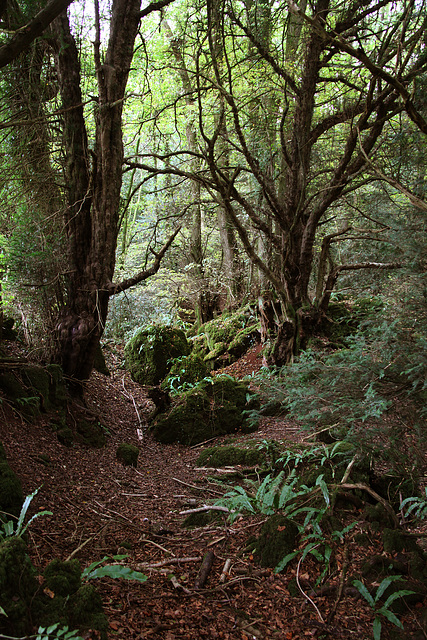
94	181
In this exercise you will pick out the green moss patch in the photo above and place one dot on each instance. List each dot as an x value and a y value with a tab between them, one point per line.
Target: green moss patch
230	455
278	538
212	408
149	353
185	371
127	454
11	496
91	433
18	586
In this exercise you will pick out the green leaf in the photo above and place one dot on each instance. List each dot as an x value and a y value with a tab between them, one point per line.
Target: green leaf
52	628
282	564
364	592
390	616
384	584
377	629
116	571
394	596
3	612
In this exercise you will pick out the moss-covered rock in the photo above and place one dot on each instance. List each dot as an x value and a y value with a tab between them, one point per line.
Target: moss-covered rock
213	407
65	436
226	338
18	586
86	611
91	433
63	578
11	496
127	454
185	371
74	604
12	386
278	538
149	352
33	388
57	388
36	378
8	332
230	455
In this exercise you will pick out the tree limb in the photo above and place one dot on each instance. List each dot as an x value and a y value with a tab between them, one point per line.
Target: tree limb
24	36
113	289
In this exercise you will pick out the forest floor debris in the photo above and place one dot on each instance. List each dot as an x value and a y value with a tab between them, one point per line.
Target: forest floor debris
101	507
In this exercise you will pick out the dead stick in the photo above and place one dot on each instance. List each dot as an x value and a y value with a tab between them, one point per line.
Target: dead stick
204	569
192	486
163	563
225	570
340	586
178	585
205	507
374	494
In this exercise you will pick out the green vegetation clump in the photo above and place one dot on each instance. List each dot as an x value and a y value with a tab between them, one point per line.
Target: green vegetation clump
127	454
214	407
33	388
18	586
227	337
277	539
91	433
37	379
230	455
185	372
86	610
11	496
65	436
149	352
63	578
57	389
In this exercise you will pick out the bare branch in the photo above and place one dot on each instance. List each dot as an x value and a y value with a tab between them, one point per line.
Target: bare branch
113	289
24	36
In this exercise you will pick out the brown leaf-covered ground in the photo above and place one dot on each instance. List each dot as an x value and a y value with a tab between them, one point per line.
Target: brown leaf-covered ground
102	508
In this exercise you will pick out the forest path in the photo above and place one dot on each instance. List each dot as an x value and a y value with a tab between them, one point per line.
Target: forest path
101	508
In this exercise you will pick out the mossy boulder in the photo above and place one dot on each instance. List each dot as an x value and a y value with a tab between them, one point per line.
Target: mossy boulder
36	379
7	331
33	388
149	352
127	454
75	604
86	610
57	388
214	407
65	436
226	338
18	586
63	578
185	371
278	538
11	496
230	455
90	433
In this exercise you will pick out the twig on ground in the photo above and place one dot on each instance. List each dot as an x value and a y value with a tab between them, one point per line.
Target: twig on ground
163	563
159	546
225	570
305	595
206	507
204	569
178	585
193	486
116	513
340	585
83	544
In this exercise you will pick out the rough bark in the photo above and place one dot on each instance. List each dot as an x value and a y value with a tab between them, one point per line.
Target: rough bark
94	180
